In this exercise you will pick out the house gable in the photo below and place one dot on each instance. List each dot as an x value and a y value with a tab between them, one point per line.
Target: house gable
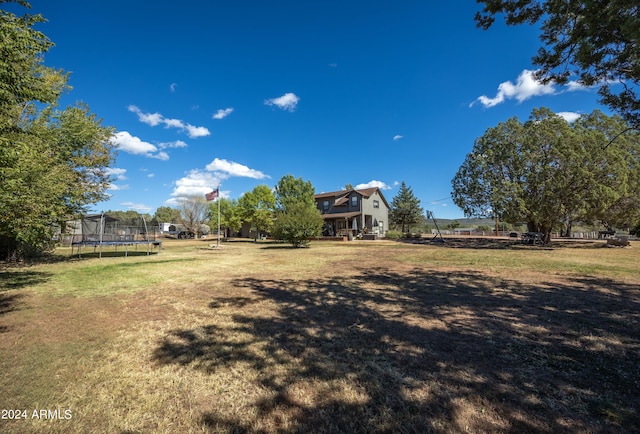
343	200
359	210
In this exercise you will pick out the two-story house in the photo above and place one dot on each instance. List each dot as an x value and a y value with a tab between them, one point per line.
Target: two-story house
363	211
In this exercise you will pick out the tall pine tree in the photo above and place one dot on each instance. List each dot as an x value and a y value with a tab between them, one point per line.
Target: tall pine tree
405	208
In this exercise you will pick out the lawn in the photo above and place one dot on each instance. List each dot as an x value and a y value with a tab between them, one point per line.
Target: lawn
355	337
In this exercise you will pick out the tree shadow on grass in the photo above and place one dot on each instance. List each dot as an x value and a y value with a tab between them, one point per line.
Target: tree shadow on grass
21	278
424	352
8	303
489	243
16	280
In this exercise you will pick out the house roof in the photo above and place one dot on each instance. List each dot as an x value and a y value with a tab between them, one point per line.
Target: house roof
341	201
330	194
365	192
345	215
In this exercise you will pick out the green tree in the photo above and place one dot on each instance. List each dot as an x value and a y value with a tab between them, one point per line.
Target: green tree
614	171
593	41
290	190
230	215
298	224
455	224
405	209
52	162
484	228
258	207
125	218
297	219
543	172
166	214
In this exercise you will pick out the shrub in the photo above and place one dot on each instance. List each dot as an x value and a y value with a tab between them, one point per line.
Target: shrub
298	224
393	235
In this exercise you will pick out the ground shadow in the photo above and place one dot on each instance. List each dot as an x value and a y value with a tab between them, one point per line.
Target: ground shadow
426	352
19	278
8	303
489	243
15	280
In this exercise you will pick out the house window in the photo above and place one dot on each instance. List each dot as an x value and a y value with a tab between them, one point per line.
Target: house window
376	204
354	200
325	205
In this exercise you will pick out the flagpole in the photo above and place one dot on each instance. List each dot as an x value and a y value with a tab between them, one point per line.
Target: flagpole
218	243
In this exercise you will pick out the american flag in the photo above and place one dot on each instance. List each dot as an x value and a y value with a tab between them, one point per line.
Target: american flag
212	195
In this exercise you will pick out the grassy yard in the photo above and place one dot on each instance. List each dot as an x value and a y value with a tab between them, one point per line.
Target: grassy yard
355	337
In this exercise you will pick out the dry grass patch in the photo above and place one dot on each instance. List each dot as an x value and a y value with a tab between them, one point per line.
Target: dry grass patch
341	337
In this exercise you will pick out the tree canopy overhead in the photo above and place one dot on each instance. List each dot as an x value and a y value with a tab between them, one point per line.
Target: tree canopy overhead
52	161
596	42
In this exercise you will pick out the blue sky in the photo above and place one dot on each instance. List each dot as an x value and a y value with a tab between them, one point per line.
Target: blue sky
334	91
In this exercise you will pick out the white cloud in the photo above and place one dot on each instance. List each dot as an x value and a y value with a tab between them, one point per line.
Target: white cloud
137	207
371	184
160	156
288	101
397	137
526	86
195	132
172	87
114	187
223	113
176	144
151	175
231	168
173	123
133	145
154	119
573	86
197	182
569	116
116	172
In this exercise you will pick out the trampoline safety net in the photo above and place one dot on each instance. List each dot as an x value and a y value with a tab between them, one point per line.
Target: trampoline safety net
100	230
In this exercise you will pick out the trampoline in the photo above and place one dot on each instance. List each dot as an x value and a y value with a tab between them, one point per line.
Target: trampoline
101	230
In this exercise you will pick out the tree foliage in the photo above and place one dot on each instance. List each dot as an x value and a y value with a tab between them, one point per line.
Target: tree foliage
547	173
258	207
52	161
166	214
298	224
405	208
593	41
230	215
290	190
131	218
297	219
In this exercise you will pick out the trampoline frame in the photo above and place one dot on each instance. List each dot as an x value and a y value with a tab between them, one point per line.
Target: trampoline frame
115	240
